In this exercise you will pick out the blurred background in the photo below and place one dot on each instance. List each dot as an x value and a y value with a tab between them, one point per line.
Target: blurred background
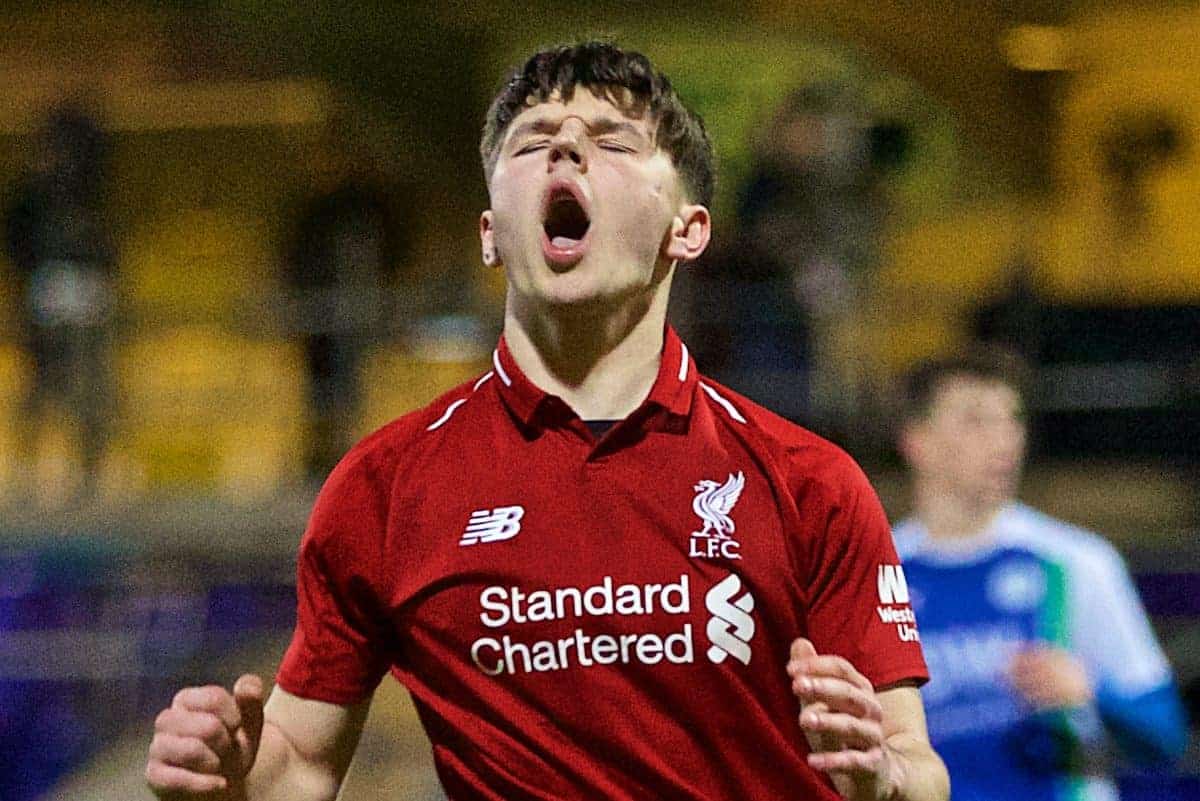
240	235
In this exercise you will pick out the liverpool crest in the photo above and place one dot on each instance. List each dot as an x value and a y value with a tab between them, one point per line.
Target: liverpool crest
713	504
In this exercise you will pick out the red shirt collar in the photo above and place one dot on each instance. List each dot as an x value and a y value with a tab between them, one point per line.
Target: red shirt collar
672	390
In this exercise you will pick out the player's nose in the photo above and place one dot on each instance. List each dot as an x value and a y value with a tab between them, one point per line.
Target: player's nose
566	148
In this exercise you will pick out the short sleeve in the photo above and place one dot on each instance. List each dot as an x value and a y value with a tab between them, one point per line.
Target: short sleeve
341	646
858	601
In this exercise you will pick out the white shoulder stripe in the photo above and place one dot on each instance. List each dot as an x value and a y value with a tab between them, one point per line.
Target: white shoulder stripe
446	415
452	408
726	405
500	370
683	363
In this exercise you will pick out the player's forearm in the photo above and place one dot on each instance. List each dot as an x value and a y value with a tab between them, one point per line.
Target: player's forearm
1150	728
282	773
916	771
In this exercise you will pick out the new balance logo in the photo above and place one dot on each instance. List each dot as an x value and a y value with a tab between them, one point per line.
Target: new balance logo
493	525
730	628
893	589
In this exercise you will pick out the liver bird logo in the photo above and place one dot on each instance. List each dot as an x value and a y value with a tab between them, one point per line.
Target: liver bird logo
713	504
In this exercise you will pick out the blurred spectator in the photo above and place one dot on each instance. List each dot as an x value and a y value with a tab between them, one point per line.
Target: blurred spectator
59	242
1014	319
785	296
338	266
1039	650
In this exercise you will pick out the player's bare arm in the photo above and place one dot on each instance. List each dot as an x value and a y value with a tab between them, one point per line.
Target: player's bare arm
227	746
872	744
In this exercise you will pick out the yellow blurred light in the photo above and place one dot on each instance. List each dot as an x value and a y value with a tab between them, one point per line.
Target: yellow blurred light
167	106
1035	48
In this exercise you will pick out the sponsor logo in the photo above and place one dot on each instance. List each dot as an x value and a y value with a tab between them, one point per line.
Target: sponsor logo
890	614
508	655
730	627
893	593
893	589
493	525
1016	586
970	660
505	608
713	504
505	605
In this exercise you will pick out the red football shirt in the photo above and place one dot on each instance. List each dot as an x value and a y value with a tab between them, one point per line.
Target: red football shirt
582	619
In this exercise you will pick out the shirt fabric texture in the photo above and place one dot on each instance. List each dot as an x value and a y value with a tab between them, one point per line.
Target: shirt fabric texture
583	618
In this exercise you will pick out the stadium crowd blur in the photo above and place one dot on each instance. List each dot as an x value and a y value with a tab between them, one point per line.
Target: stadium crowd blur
235	245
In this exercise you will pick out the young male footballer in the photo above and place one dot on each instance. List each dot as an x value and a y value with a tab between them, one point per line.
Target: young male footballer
1041	654
599	574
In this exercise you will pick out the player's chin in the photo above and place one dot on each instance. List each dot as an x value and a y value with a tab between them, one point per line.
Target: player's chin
583	304
578	292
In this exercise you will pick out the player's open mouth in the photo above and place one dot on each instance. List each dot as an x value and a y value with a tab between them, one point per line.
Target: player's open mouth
565	224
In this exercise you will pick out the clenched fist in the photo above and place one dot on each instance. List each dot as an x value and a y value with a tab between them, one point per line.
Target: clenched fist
843	722
1051	678
206	741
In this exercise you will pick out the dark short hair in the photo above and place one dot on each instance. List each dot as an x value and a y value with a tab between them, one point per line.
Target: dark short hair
982	361
606	69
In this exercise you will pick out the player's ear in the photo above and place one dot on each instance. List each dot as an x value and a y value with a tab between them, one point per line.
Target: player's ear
487	239
690	231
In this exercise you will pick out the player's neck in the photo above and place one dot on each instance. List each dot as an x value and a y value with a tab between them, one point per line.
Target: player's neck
947	515
602	363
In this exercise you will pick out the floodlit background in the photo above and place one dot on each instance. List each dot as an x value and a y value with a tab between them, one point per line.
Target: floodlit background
261	220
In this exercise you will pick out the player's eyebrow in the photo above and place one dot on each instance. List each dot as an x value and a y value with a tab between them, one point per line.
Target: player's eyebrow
596	127
542	125
605	125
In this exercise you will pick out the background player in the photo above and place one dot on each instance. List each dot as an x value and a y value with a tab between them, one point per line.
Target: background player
1037	643
528	554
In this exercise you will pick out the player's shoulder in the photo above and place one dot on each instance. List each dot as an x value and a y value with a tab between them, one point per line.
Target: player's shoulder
1057	540
803	454
908	534
404	440
382	470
